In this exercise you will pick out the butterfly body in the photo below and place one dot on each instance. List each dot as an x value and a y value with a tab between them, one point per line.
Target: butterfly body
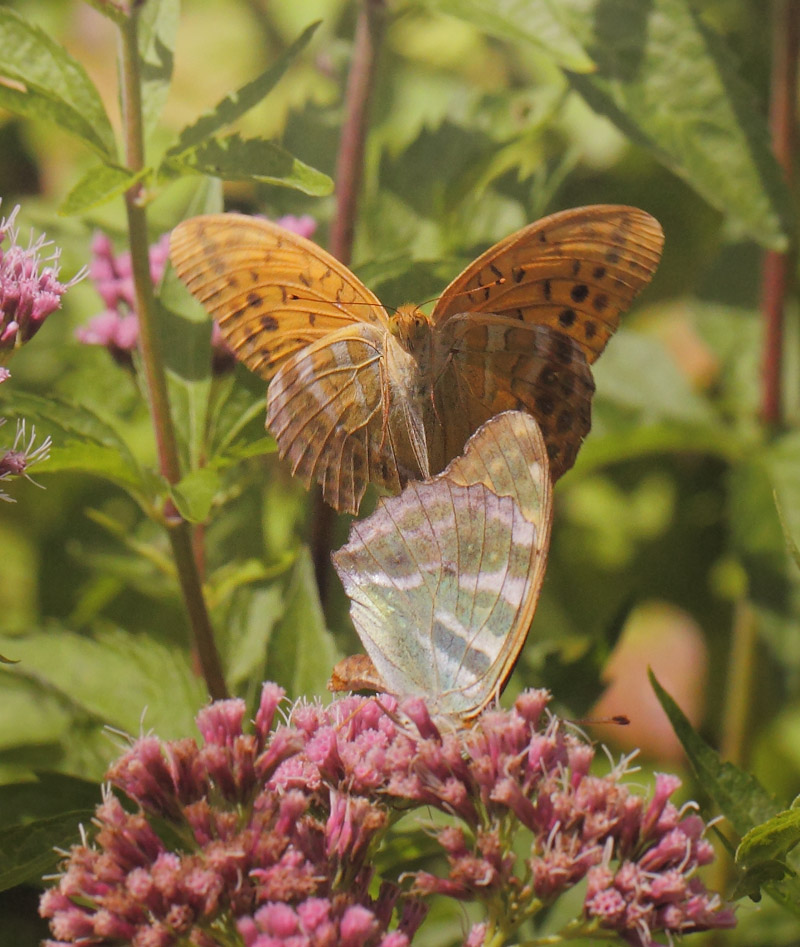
359	395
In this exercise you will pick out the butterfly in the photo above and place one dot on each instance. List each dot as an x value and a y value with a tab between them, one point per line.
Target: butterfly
358	394
444	578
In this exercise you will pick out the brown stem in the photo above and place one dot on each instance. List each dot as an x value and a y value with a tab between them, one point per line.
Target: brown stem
179	531
349	173
777	265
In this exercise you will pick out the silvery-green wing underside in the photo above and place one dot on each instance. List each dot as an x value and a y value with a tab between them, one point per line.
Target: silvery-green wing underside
444	579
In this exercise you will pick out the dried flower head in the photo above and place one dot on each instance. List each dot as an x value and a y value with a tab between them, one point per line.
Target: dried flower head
17	460
274	833
29	292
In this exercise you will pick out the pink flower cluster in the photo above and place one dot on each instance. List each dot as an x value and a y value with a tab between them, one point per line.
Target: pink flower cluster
27	295
268	838
117	327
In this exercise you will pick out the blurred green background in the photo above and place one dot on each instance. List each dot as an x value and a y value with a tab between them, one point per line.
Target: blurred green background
667	546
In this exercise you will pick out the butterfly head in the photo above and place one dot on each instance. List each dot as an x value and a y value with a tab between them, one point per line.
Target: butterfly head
410	326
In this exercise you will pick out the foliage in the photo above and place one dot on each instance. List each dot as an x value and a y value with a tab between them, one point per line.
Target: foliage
484	115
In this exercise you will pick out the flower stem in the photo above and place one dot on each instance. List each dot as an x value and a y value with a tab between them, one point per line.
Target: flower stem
178	530
778	265
349	174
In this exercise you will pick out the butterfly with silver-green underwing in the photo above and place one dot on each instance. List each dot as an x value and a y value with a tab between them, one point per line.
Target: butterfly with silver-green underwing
444	579
357	394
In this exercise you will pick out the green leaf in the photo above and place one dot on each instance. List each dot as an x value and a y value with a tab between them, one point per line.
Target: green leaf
301	649
539	23
669	83
113	678
251	159
194	494
99	185
740	796
235	104
93	459
47	795
29	851
250	630
771	840
157	31
40	79
81	439
766	874
638	373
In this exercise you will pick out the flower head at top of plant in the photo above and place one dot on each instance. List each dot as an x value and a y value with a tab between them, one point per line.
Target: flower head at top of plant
29	286
273	832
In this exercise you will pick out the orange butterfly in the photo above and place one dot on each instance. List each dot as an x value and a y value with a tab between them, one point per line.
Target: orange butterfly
358	394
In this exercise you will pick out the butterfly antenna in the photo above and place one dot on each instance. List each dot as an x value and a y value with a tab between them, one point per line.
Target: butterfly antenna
336	303
500	281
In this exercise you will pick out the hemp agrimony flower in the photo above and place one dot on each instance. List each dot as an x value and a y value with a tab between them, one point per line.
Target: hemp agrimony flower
269	837
28	293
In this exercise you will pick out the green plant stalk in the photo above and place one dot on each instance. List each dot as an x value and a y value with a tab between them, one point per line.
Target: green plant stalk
349	174
178	530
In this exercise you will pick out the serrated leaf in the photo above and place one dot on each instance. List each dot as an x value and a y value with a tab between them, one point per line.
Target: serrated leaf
82	440
234	158
770	841
669	83
115	678
301	649
41	79
28	851
157	31
194	494
537	22
235	104
99	185
740	796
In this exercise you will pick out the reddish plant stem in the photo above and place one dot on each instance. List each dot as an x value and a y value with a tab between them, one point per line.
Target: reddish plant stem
178	530
778	265
349	174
